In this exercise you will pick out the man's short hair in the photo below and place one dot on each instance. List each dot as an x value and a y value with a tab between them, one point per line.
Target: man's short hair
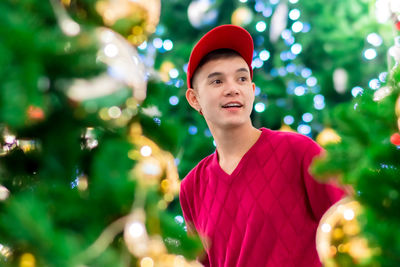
214	55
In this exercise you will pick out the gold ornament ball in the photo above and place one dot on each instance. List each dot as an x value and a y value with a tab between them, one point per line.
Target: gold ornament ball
397	107
142	15
398	123
27	260
242	16
397	110
339	234
125	70
328	136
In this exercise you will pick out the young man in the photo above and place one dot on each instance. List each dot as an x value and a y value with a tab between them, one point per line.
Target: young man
253	201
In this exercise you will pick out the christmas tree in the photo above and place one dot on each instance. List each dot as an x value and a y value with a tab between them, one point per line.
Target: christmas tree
363	231
367	157
81	185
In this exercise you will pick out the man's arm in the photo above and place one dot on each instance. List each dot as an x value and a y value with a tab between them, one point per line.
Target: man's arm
321	196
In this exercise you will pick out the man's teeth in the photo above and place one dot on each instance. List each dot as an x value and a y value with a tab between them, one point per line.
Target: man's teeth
231	105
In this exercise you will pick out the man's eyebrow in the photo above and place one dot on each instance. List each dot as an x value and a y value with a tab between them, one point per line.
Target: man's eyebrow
242	69
214	74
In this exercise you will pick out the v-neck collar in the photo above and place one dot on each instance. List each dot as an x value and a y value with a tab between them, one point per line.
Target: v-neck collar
221	173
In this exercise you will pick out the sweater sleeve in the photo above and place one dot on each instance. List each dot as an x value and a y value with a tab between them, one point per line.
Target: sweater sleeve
321	196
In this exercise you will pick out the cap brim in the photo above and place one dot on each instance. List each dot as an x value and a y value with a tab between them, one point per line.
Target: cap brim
225	36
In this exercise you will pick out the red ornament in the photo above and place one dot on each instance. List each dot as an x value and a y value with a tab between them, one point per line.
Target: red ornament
395	139
398	25
35	113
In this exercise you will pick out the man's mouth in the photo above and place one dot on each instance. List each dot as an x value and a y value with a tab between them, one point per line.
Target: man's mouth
232	105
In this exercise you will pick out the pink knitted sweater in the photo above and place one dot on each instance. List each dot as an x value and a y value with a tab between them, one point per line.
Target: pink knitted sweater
266	212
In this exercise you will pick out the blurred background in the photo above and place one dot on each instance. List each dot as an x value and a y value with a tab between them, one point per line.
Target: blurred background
96	133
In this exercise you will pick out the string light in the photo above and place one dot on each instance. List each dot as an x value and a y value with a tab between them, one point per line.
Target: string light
267	12
286	34
319	102
291	68
259	6
9	138
157	43
284	56
168	45
348	214
307	117
173	73
297	26
114	112
264	55
374	39
299	90
294	14
374	84
145	151
288	119
370	53
311	81
355	91
306	27
143	46
326	227
257	63
306	72
179	219
261	26
111	50
192	130
136	229
259	107
296	49
282	71
174	100
383	76
304	129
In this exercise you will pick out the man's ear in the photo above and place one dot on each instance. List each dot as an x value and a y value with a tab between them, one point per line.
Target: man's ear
192	98
254	86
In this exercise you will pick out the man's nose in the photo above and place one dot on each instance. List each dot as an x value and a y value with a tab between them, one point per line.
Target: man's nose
231	88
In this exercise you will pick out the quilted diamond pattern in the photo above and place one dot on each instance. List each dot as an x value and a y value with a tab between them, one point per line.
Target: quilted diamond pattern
265	213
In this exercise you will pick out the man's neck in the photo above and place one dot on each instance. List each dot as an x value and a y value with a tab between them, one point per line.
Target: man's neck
233	143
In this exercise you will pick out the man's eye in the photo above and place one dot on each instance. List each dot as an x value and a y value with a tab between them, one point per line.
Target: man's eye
216	81
243	79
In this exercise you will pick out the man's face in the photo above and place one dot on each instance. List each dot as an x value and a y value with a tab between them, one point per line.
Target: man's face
223	92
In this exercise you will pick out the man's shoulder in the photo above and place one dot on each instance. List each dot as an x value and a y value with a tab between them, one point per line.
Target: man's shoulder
291	141
292	137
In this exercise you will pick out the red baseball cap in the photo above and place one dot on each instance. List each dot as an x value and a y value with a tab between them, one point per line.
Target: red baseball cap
224	36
